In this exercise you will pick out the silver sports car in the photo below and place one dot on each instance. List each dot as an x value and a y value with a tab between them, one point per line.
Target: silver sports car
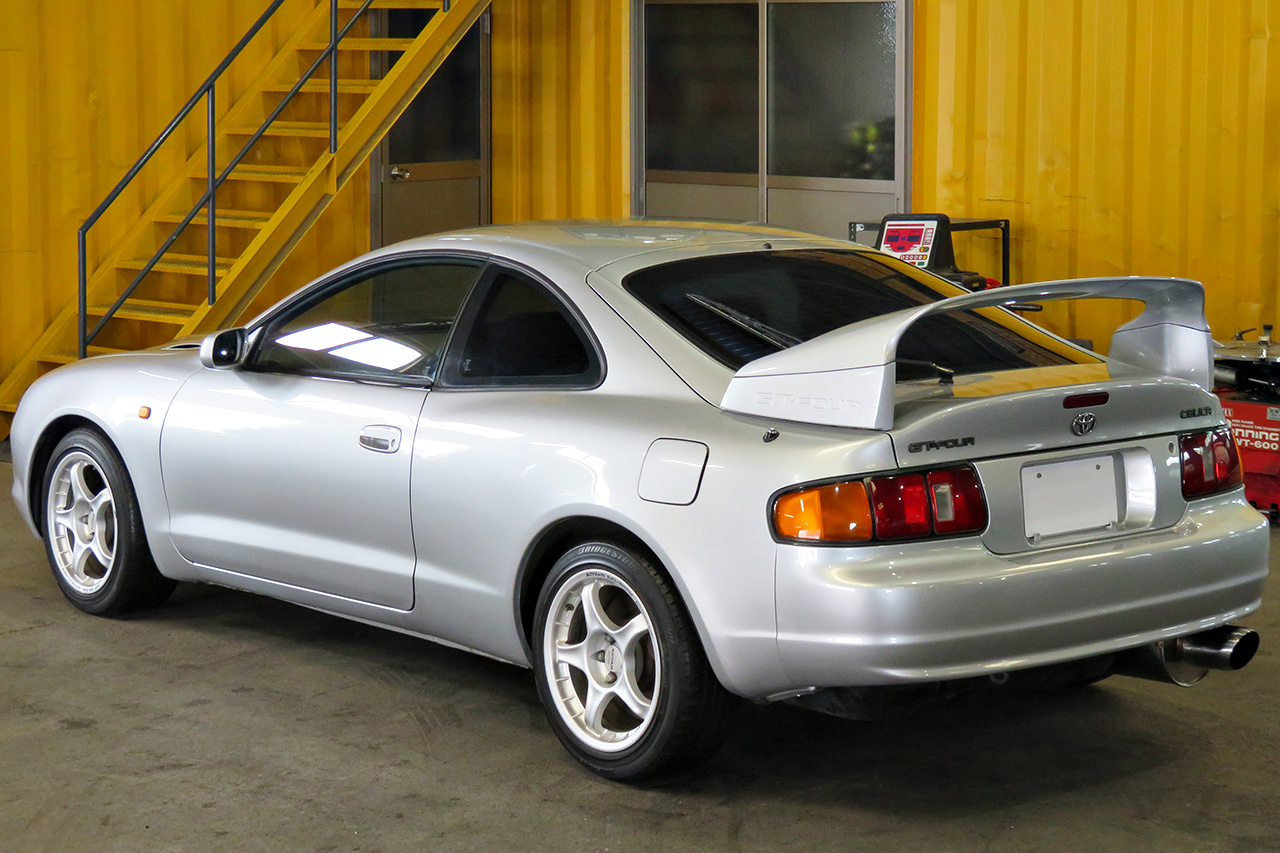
671	465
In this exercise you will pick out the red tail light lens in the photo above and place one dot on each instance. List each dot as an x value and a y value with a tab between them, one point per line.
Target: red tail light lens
907	506
1210	463
956	500
900	506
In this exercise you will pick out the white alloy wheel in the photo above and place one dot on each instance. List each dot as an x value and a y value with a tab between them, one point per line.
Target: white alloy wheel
93	531
601	660
620	668
82	523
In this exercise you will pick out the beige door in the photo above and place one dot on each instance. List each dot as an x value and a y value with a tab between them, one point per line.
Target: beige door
433	167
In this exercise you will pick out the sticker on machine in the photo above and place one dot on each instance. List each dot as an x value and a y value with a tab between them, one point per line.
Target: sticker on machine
910	241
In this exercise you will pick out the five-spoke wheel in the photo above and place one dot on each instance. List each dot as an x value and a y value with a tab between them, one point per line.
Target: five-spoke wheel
82	522
93	529
601	657
620	667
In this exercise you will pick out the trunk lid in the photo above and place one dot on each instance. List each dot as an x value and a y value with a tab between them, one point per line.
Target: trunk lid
1028	411
1057	465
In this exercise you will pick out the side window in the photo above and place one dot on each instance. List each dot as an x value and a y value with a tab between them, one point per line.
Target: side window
390	325
522	335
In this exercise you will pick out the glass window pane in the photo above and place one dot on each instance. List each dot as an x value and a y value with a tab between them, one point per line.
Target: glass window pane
442	123
392	324
740	307
701	87
832	90
522	336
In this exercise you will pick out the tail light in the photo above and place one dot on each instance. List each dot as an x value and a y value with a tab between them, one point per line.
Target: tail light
945	502
1210	463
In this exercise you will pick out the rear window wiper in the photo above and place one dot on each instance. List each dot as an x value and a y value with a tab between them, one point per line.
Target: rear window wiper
748	324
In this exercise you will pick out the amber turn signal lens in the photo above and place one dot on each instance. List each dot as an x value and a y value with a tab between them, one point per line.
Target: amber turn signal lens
839	512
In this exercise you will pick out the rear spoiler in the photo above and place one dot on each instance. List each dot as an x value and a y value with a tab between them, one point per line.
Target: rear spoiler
846	377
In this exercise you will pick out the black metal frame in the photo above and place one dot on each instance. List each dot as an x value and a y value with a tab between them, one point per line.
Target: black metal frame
207	201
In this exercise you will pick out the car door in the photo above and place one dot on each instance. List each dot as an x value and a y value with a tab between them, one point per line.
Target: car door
294	467
498	443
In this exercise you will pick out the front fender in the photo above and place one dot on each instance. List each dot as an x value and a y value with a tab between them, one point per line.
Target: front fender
112	393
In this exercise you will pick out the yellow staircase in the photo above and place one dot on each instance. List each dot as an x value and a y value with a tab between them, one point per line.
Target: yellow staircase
266	204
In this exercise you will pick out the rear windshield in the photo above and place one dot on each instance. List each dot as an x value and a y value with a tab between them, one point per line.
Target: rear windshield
740	307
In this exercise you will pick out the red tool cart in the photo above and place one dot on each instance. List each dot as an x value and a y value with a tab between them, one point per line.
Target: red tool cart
1247	380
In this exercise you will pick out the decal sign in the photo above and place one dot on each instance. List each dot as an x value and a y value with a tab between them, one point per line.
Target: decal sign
1251	431
910	241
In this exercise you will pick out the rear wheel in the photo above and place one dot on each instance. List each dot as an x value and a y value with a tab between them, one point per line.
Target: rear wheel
620	668
93	530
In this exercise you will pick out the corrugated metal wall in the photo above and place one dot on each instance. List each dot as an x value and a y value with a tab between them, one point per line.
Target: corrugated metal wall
85	86
561	109
1119	136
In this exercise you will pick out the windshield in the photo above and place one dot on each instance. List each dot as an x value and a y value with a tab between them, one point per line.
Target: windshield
740	307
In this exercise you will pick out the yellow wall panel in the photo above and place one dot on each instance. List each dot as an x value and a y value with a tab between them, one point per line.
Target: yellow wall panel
1119	136
85	86
561	109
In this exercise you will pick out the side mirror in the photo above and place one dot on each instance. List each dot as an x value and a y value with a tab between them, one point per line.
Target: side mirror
223	349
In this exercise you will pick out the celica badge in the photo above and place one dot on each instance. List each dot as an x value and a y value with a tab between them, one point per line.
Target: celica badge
1084	423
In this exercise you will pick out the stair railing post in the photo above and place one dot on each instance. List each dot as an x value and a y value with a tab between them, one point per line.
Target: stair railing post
83	342
212	211
333	76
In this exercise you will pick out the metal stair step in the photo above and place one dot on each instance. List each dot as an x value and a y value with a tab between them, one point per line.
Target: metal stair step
286	128
392	4
277	174
148	311
226	218
362	44
178	263
360	87
70	356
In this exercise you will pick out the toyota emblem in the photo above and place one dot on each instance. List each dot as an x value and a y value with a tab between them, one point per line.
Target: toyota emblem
1084	423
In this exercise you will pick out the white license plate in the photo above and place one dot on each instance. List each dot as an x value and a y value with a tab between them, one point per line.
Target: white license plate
1064	497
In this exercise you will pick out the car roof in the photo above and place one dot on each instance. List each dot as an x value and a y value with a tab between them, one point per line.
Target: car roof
594	243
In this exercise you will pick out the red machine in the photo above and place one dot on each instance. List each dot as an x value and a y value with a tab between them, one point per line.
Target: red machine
1247	376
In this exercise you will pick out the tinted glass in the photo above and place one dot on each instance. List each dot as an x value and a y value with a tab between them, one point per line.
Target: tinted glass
832	89
741	307
702	87
522	335
390	325
442	122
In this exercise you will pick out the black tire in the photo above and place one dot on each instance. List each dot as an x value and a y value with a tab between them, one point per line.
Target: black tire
93	533
655	658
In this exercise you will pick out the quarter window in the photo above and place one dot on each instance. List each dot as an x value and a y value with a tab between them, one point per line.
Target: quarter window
392	325
522	335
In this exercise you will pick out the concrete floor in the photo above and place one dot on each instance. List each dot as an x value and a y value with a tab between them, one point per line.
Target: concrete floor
224	721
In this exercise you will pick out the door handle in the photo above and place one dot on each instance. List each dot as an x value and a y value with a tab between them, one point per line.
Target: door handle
380	439
398	174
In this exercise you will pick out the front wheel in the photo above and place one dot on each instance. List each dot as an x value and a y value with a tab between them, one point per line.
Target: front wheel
621	670
93	530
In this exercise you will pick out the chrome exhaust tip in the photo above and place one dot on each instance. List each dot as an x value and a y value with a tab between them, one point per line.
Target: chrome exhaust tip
1227	648
1185	661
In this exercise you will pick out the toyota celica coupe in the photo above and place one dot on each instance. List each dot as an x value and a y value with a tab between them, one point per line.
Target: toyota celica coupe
671	465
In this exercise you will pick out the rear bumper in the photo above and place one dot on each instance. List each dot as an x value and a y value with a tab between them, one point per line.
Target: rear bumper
952	609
